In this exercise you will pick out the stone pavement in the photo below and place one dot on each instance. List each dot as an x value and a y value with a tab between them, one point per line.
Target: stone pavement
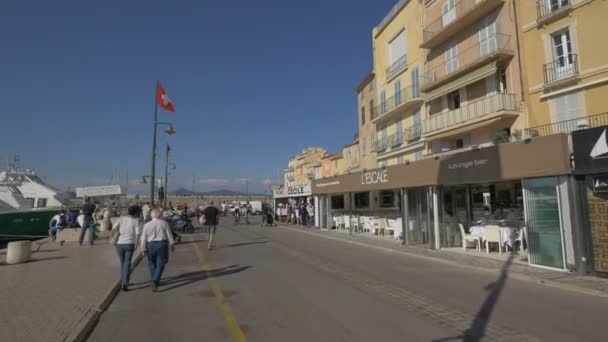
565	280
49	298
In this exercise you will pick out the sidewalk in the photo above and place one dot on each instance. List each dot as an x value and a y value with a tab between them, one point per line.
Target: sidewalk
584	284
57	295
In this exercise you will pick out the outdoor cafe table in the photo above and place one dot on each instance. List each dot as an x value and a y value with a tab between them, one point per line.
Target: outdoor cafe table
508	235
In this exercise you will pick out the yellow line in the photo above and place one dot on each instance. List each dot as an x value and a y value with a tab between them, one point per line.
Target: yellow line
231	323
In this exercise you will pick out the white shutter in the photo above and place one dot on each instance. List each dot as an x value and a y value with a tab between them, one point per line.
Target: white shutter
491	85
397	48
567	107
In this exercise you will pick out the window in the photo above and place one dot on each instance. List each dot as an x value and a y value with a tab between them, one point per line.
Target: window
397	92
417	120
554	5
451	58
487	37
383	101
363	145
397	48
361	200
387	199
454	100
459	143
399	131
362	115
567	107
415	82
384	136
418	155
41	203
448	11
400	160
337	202
562	54
502	76
30	202
372	110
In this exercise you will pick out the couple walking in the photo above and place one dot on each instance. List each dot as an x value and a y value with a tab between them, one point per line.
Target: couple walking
155	239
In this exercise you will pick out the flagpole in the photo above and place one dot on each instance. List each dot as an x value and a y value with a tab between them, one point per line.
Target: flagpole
166	174
153	166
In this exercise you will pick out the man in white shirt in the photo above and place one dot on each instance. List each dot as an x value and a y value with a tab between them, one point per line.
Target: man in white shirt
156	238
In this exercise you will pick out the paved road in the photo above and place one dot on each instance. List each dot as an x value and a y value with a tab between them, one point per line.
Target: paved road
272	284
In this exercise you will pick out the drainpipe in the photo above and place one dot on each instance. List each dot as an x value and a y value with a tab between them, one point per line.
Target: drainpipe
519	61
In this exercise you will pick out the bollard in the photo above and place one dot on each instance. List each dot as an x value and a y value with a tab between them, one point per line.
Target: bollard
18	252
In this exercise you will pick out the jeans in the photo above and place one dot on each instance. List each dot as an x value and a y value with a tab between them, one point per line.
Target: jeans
311	220
88	224
125	253
158	255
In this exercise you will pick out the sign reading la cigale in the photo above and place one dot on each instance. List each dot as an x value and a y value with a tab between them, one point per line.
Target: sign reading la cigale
374	177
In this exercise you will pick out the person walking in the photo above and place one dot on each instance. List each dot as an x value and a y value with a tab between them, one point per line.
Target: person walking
57	223
212	219
145	210
125	236
156	239
88	222
264	214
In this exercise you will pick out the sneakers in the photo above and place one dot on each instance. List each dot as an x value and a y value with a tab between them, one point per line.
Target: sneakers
125	288
154	287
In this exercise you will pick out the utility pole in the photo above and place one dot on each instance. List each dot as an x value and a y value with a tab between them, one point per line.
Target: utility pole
153	166
167	174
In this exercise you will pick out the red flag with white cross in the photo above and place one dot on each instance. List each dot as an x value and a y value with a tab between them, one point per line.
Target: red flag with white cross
163	99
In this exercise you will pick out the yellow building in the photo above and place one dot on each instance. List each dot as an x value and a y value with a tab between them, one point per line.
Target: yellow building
472	78
301	168
352	157
398	64
366	99
565	63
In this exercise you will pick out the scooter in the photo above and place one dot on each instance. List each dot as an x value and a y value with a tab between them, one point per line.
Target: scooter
183	223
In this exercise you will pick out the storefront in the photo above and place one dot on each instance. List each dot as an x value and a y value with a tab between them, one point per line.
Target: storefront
591	169
519	188
286	200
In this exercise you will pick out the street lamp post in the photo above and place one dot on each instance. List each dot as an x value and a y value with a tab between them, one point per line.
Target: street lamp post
170	131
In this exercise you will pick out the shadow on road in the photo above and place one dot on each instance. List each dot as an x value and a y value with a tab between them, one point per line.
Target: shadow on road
193	241
243	244
478	327
193	277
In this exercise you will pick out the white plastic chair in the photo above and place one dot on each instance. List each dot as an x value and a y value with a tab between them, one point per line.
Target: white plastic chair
380	225
520	238
395	228
493	236
368	224
346	222
466	238
337	221
354	222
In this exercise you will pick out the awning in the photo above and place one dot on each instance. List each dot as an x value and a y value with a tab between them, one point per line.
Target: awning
446	132
464	80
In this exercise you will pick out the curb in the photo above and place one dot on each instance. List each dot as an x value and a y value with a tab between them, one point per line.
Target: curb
88	322
518	276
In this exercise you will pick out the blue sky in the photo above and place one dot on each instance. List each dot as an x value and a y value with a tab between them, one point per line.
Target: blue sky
254	82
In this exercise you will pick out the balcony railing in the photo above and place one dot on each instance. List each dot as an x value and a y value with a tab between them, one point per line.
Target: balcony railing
381	145
397	67
438	24
474	54
489	105
404	95
395	140
548	8
562	68
413	132
567	126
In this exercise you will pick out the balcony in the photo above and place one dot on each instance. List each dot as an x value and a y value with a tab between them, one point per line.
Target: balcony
497	47
464	14
396	68
381	145
408	97
413	132
488	108
552	10
567	126
561	70
395	140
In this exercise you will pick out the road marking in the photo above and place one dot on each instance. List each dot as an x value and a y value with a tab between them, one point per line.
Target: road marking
231	323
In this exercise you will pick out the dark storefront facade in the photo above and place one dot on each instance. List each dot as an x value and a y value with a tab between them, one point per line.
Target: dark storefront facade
590	148
524	186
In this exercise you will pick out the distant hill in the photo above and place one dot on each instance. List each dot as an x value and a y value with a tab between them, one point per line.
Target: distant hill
186	192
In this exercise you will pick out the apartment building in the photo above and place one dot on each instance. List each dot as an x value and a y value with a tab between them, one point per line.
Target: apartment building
472	80
398	64
332	165
351	157
566	76
301	168
366	99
